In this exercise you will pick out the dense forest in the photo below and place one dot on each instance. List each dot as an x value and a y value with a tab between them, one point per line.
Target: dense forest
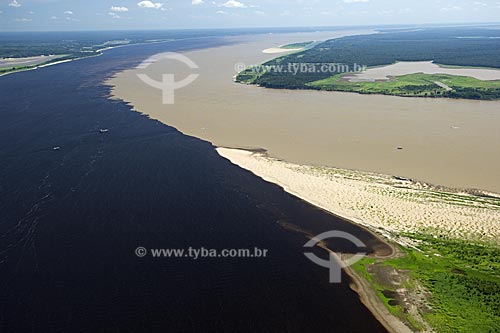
478	47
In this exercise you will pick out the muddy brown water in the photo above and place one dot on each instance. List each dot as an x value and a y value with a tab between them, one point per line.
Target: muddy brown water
454	143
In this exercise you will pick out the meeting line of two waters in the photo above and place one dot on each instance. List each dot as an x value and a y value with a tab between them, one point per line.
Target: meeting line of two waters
72	218
440	141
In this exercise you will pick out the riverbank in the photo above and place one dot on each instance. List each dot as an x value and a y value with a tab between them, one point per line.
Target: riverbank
388	205
432	229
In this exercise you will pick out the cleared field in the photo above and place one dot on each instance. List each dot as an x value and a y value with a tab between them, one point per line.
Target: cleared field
27	61
422	67
415	85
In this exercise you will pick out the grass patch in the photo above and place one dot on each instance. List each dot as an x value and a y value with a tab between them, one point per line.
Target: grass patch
296	45
249	75
361	265
416	85
462	278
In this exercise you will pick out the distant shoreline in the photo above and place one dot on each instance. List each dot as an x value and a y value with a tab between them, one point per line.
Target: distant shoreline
98	53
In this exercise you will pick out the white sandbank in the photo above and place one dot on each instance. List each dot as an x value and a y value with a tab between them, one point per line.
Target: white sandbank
274	50
382	203
424	67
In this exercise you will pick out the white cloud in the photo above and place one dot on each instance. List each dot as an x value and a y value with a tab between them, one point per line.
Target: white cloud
53	17
68	12
114	15
15	4
23	19
355	1
119	9
233	4
451	8
197	2
149	4
221	12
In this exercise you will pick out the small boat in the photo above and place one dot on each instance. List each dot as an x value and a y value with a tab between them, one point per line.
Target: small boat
56	148
103	130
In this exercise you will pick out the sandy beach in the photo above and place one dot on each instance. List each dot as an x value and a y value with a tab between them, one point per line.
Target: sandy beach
275	50
382	203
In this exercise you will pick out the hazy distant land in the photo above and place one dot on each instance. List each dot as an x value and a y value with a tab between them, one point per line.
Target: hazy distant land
20	53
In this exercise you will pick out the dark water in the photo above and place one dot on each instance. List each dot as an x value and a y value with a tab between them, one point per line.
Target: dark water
71	219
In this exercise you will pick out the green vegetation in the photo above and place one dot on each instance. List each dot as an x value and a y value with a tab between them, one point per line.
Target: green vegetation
296	45
249	76
462	279
77	55
417	85
443	46
14	69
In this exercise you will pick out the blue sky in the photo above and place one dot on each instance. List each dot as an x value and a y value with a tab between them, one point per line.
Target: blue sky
18	15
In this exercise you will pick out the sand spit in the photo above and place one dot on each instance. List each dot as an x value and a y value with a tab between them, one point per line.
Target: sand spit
275	50
425	67
386	204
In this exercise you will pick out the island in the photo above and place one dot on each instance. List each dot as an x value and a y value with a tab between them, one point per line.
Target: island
452	59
